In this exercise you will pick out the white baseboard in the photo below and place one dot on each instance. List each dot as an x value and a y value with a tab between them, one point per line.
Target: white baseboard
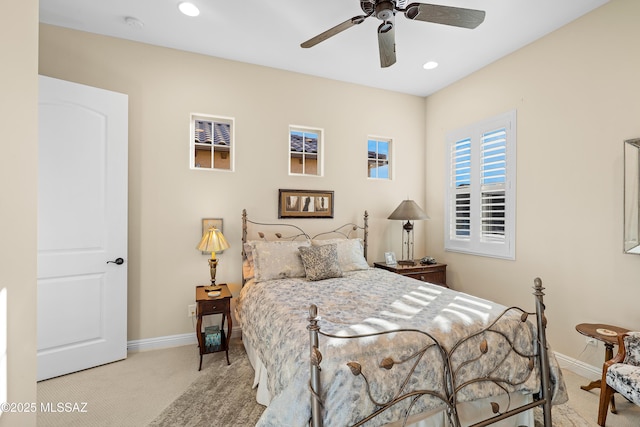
578	367
170	341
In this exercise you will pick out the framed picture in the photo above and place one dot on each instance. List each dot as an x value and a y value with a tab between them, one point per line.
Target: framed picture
208	223
305	204
390	258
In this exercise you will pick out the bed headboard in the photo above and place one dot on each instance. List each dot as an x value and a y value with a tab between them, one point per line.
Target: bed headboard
287	231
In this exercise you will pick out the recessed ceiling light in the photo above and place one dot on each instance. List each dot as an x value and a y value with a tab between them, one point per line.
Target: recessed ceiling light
430	65
188	9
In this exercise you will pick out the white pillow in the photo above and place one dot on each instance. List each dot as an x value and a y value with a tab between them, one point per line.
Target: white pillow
350	253
277	260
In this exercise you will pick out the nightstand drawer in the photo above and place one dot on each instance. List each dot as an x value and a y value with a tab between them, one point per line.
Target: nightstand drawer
437	277
216	306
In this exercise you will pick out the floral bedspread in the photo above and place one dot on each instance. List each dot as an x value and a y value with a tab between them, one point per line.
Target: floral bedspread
274	317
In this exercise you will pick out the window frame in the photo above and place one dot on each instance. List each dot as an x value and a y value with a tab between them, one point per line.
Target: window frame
487	243
319	150
377	140
193	144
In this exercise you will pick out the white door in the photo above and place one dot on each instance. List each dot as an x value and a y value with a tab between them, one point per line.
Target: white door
82	225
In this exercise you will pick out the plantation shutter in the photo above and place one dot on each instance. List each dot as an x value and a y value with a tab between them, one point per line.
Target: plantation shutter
481	175
461	158
493	178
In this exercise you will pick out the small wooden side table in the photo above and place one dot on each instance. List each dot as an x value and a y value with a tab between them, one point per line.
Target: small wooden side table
434	273
206	305
591	330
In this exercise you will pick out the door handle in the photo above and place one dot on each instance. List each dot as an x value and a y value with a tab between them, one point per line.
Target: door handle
118	261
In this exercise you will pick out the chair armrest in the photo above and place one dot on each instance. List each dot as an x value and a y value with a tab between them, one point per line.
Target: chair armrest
619	357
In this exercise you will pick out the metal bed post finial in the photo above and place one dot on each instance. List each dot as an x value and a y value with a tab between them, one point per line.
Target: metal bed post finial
315	358
365	238
542	351
244	240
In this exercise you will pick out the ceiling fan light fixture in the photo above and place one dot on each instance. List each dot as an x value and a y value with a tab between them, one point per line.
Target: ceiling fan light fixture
188	8
430	65
385	27
412	11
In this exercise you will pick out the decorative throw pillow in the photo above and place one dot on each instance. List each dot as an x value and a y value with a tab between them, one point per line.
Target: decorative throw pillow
350	253
632	346
321	262
277	260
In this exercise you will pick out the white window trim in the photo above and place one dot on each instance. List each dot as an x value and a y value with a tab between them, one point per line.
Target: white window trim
232	149
392	156
320	132
474	245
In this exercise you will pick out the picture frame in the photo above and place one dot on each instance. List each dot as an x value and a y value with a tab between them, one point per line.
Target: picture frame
305	204
211	222
390	258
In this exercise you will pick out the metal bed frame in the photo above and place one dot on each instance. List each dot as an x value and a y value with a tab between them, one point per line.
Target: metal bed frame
452	386
347	231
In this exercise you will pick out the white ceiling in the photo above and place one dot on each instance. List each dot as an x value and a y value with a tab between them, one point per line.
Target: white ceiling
269	33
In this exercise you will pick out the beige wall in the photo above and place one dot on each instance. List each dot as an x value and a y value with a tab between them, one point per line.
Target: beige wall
577	96
18	180
167	200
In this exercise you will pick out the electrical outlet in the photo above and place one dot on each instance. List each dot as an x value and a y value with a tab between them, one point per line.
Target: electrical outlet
191	310
591	341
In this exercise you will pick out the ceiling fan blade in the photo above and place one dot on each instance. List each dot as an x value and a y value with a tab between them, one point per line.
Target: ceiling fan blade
387	43
446	15
335	30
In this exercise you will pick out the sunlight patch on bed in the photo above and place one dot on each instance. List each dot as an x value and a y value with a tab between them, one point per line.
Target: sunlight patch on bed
351	331
397	315
474	302
385	324
423	296
430	290
463	317
401	306
443	323
481	314
416	300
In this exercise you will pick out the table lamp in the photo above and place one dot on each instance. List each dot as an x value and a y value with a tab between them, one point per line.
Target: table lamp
212	241
408	210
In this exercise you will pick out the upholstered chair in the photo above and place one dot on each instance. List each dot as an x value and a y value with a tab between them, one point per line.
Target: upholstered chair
621	374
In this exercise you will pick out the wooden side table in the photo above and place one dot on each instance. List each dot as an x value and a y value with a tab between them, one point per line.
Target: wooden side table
206	305
434	273
591	330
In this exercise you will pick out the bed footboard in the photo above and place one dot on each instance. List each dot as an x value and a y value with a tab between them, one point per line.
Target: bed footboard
453	385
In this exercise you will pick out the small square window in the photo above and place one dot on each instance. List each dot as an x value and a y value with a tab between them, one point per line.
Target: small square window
305	151
211	142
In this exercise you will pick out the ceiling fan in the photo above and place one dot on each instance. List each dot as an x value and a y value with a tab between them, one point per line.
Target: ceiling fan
385	11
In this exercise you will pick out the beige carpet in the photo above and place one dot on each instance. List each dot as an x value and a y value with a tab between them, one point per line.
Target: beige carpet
149	388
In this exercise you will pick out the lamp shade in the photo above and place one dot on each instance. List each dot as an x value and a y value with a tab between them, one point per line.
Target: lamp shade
408	210
212	241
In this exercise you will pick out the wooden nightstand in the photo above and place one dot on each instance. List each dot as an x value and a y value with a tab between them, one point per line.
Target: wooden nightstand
206	305
434	273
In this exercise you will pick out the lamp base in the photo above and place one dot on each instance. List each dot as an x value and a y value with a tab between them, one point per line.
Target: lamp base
213	264
212	288
406	262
